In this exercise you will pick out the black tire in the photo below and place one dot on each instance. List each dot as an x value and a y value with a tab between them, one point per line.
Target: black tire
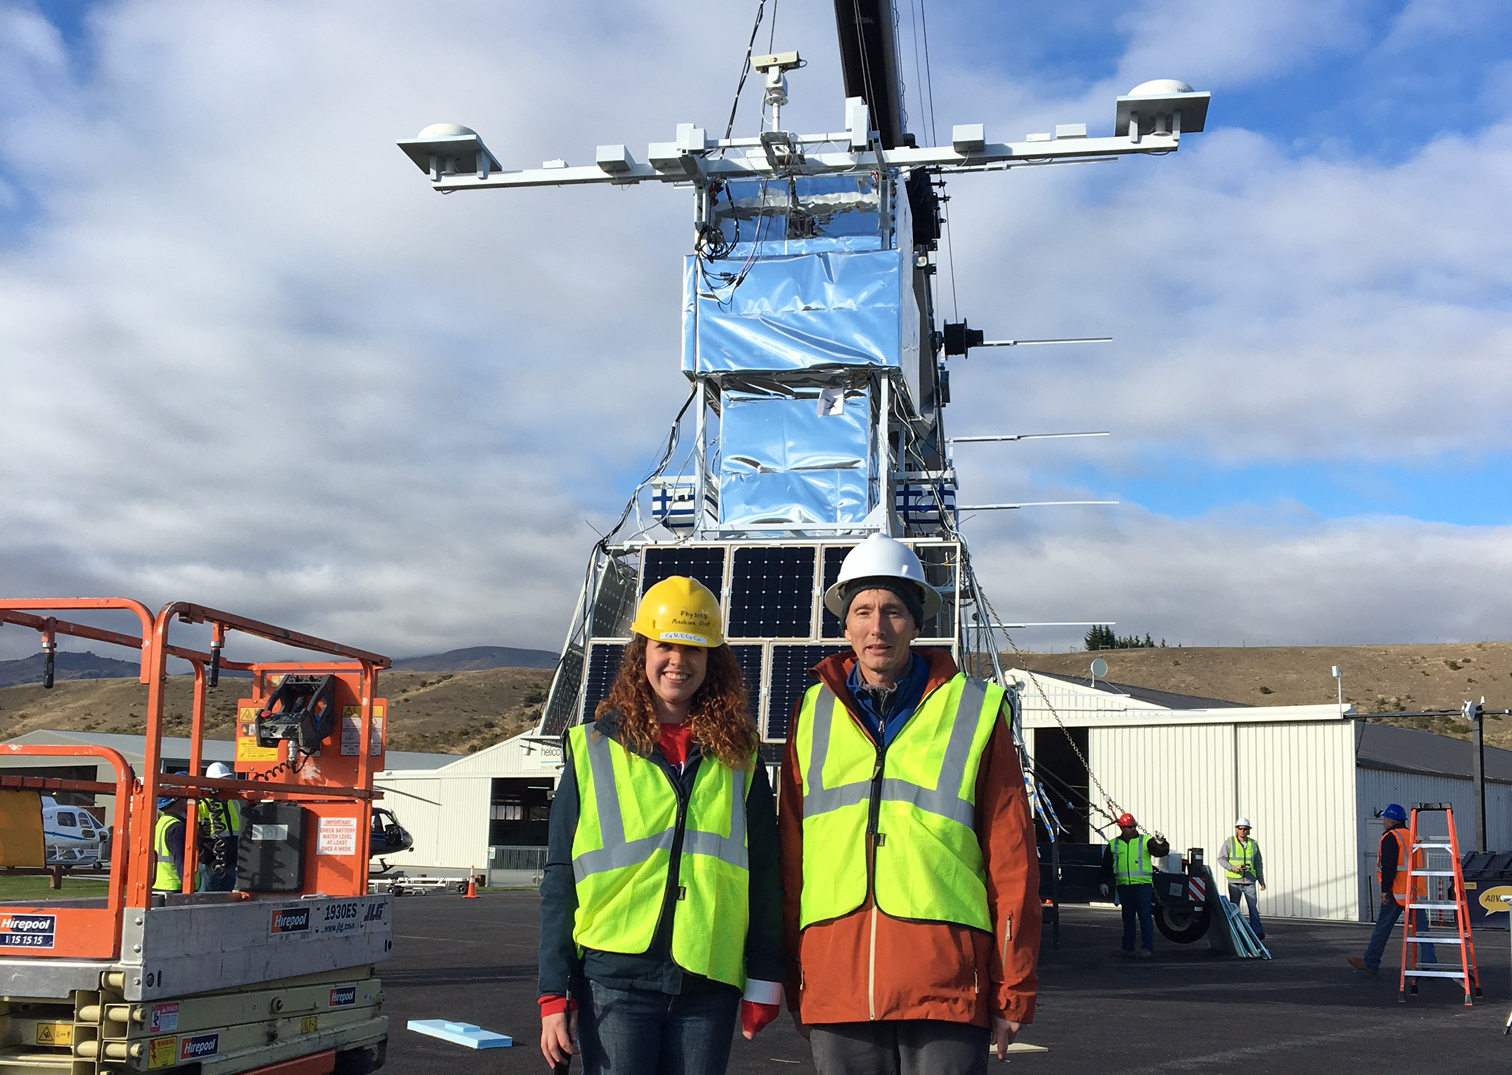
1183	927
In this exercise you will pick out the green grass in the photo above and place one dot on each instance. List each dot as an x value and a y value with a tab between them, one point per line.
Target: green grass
15	887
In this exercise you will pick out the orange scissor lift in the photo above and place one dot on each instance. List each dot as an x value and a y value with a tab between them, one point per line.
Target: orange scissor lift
276	976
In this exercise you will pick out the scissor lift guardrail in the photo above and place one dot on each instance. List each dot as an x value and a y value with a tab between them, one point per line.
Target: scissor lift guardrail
225	981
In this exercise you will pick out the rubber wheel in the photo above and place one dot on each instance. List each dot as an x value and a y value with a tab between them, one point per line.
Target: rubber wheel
1183	927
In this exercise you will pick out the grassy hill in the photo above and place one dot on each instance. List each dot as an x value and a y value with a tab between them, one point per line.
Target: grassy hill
460	711
442	712
1379	680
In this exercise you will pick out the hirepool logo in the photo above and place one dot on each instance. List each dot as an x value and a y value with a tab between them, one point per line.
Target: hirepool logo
28	931
199	1046
291	920
343	996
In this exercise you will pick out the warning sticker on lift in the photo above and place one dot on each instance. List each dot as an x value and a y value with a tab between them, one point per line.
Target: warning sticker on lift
164	1017
351	730
162	1052
336	836
54	1033
28	930
246	737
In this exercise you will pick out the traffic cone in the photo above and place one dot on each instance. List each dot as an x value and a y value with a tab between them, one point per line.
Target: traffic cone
472	887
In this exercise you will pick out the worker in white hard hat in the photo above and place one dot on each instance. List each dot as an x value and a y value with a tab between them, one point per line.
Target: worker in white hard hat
660	904
910	878
219	833
1240	858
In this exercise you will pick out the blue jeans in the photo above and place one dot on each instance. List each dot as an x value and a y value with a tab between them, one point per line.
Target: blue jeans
643	1032
1138	900
1391	910
1237	890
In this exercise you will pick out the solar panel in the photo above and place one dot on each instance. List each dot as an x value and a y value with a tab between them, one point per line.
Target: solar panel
704	563
829	623
614	605
561	707
749	658
790	678
603	666
772	592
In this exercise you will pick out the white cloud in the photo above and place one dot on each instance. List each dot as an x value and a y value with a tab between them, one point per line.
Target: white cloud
249	359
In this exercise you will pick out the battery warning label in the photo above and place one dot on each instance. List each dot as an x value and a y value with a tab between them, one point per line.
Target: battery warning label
28	930
162	1052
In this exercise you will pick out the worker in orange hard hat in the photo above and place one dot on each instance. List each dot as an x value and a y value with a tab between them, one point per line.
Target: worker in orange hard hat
661	901
1129	867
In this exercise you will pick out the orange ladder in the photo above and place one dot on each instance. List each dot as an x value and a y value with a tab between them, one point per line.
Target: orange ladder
1436	886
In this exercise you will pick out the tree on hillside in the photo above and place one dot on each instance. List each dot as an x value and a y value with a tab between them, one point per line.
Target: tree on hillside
1101	636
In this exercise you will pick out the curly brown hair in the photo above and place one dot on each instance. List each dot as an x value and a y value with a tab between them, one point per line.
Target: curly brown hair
718	719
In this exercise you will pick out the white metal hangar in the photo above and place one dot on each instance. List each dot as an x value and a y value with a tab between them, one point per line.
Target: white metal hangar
1311	778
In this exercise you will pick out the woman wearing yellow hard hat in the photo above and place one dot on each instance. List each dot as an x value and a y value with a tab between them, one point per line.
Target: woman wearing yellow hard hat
661	901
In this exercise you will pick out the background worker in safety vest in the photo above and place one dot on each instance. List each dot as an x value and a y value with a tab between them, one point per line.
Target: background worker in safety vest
660	904
1129	866
219	835
910	879
1240	858
1392	862
168	846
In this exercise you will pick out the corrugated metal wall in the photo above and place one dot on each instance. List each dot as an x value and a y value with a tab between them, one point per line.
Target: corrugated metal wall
1377	787
1294	781
447	816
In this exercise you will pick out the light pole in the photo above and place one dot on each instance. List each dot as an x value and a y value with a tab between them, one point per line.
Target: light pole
1338	679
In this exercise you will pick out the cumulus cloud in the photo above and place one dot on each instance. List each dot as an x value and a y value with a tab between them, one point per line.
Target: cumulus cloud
249	359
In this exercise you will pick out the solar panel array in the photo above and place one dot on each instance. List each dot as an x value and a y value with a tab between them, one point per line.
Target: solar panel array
776	624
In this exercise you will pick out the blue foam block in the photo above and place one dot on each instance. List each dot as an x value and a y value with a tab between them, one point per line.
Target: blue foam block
467	1034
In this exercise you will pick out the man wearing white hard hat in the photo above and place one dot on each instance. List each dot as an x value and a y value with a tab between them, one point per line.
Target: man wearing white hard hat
1240	858
911	882
219	834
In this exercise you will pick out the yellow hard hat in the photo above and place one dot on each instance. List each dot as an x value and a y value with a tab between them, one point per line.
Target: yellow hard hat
680	610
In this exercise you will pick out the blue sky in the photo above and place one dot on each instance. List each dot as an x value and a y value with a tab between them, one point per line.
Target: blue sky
249	359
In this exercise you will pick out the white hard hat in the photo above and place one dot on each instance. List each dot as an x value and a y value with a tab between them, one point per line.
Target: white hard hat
219	770
880	556
1243	823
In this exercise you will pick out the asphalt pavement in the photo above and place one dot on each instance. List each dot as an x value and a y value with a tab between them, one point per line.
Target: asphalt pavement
1304	1012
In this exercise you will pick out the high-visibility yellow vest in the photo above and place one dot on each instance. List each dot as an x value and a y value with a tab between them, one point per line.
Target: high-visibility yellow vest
220	818
1241	852
916	800
628	819
1131	861
167	877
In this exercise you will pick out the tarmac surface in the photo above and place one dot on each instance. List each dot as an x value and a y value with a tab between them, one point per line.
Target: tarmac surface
1304	1012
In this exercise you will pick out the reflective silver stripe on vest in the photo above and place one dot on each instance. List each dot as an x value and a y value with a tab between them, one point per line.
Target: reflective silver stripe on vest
1141	864
617	852
731	848
944	799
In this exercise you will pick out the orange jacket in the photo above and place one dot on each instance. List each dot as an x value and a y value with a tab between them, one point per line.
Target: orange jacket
1396	852
867	966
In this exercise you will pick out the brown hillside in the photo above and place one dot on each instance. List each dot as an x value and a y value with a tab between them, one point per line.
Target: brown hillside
442	712
1377	679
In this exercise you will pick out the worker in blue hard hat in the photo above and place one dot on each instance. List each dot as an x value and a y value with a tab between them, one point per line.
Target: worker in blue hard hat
168	846
1393	870
661	904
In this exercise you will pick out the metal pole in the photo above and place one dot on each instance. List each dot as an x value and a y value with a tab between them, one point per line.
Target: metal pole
1479	761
